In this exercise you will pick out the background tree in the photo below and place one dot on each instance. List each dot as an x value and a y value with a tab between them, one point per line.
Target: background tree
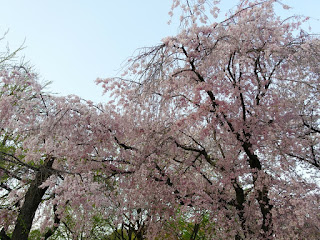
54	160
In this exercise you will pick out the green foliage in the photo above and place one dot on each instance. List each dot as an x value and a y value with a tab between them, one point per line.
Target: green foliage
35	235
7	146
183	228
119	234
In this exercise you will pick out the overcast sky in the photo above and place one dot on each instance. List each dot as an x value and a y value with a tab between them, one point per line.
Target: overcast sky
71	43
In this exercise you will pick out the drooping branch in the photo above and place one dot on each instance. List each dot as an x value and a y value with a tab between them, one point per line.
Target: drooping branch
51	231
121	144
11	174
314	129
7	157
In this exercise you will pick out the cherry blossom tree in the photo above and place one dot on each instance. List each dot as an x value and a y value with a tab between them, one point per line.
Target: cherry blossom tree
213	134
222	123
57	160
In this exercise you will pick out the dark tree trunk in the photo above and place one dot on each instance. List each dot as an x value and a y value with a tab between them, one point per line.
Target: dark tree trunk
3	235
31	203
262	198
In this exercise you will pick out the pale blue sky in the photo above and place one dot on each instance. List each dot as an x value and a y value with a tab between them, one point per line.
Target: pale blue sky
71	43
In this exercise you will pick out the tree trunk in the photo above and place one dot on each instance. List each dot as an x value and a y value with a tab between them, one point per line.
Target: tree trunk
31	203
262	198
